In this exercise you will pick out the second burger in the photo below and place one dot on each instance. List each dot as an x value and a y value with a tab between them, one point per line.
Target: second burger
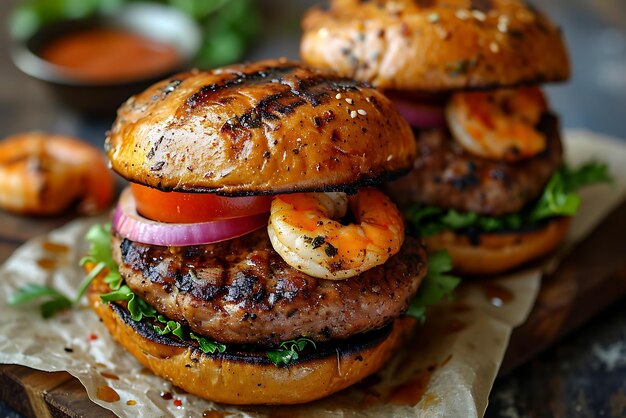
488	184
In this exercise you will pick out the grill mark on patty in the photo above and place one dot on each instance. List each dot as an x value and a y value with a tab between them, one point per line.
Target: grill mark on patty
241	291
446	175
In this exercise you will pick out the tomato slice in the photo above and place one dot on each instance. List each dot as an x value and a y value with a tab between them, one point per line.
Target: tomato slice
176	207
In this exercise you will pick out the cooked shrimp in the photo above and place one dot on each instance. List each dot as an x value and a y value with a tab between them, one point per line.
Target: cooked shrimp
42	174
499	125
304	231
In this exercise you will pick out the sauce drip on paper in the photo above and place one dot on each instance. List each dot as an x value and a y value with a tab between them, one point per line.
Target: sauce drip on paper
107	394
411	392
47	263
53	247
455	326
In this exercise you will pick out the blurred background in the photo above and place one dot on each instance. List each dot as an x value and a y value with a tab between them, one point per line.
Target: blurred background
234	30
216	32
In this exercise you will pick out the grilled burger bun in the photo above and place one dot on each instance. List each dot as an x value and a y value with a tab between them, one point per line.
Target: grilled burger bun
248	377
493	253
264	128
435	45
424	55
237	134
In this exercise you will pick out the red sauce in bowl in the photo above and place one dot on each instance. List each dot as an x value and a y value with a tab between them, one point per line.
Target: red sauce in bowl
110	55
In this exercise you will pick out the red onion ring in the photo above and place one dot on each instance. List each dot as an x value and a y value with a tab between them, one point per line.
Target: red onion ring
421	115
129	224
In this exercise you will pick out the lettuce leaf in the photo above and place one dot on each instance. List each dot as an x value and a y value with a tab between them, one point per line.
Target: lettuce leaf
99	237
437	285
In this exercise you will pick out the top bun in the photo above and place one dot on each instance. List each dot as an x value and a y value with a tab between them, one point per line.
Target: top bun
435	45
268	127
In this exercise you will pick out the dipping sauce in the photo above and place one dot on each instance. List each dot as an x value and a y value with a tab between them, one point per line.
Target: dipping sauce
110	55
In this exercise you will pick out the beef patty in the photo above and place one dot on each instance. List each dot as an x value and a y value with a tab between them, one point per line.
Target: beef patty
447	176
241	290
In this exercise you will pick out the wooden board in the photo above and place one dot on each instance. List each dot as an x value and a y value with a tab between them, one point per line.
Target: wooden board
590	279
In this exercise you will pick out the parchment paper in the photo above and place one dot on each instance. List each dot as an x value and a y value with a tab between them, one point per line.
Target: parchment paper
446	368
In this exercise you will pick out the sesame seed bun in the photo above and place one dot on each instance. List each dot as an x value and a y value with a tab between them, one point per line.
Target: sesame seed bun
435	45
268	127
499	252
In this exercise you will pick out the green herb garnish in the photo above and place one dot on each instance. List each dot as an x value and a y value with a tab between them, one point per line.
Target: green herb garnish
170	327
137	307
207	345
55	301
99	237
288	351
437	285
558	199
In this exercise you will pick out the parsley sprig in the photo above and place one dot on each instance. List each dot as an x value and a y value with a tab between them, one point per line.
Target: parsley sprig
52	300
288	351
437	285
559	198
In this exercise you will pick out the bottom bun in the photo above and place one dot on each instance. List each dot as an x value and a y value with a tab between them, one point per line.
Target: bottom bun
499	252
248	378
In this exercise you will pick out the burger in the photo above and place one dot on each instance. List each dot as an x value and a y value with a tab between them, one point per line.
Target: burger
488	184
252	260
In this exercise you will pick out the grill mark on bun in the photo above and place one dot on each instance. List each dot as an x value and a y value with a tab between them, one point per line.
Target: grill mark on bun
239	80
482	5
425	3
313	90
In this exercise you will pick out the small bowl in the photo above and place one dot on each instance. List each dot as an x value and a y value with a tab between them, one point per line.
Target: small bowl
153	21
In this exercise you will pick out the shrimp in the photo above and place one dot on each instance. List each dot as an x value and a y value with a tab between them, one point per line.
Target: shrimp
42	174
303	229
498	125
